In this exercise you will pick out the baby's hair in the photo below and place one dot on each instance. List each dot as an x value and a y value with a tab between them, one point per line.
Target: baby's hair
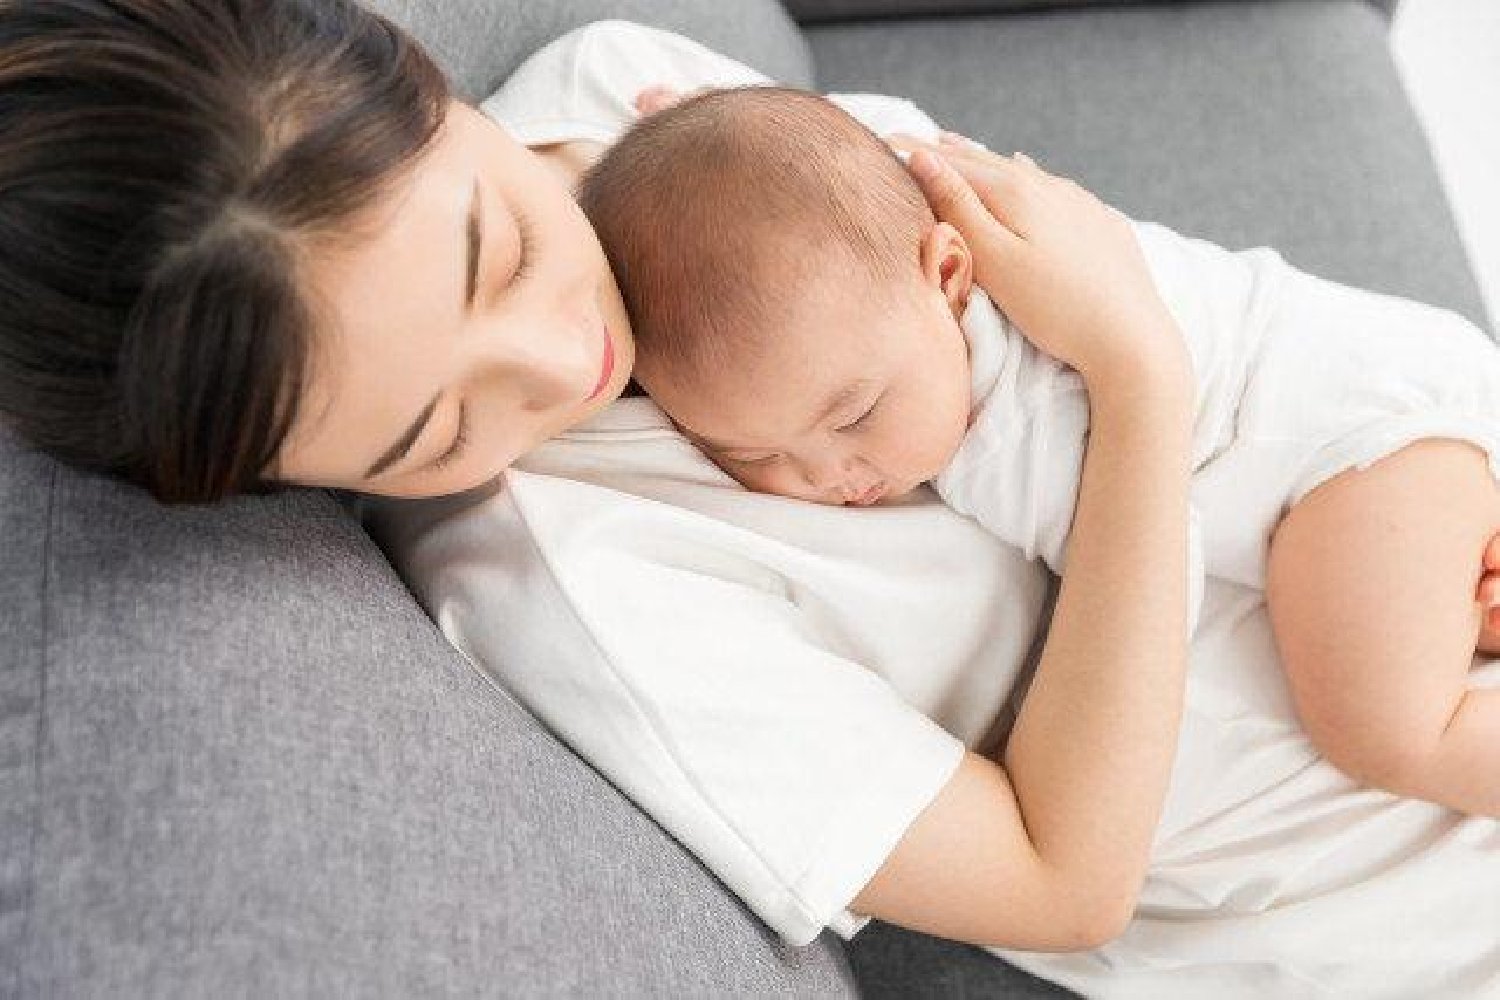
714	211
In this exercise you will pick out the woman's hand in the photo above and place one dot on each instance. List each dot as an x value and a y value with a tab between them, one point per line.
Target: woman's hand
1062	265
659	97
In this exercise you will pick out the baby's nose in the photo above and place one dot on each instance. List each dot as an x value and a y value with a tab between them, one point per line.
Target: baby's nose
842	479
828	475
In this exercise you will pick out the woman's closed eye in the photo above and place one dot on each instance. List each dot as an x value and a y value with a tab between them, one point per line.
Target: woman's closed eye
526	255
526	259
456	451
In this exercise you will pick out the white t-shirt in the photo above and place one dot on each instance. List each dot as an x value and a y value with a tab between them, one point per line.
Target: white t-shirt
783	686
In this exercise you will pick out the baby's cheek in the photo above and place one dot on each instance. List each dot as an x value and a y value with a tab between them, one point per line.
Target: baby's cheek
753	479
782	482
779	480
935	437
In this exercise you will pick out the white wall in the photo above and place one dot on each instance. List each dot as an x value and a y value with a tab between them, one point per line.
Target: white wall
1449	55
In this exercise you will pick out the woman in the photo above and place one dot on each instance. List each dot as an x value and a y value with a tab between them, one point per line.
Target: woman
319	269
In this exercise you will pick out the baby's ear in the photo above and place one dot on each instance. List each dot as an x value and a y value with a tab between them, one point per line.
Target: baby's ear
948	266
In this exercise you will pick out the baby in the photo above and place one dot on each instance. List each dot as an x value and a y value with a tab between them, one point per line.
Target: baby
806	321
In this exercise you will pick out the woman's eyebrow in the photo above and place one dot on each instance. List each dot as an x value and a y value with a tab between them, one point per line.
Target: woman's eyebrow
474	246
402	447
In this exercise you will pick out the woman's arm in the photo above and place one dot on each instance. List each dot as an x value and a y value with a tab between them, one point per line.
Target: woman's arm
1048	852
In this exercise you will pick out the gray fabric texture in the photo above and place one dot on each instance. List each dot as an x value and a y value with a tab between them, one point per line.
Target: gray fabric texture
480	42
892	963
1282	123
810	11
257	769
25	484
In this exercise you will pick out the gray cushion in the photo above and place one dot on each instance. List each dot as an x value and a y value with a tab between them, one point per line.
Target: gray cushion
481	41
892	963
1246	123
240	760
809	11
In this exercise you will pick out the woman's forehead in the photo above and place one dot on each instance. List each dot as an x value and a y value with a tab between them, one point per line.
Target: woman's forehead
389	302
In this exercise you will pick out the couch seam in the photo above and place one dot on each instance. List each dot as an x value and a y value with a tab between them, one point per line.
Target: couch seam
23	948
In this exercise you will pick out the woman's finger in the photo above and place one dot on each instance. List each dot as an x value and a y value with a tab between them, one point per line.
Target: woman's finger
955	201
905	142
981	167
660	97
994	180
961	151
957	140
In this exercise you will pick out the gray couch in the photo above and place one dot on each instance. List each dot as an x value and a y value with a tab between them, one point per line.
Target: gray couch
236	759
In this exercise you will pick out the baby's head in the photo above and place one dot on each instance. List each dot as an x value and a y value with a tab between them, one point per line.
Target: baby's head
794	301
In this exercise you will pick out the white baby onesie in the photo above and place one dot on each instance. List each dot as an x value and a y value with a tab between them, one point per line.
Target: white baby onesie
1298	378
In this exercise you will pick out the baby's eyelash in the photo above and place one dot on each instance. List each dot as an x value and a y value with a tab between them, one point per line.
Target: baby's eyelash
453	453
861	418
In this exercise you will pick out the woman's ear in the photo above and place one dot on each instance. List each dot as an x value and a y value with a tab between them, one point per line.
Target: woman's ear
948	266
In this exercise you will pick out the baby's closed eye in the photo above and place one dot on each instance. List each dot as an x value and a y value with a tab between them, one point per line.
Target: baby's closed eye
863	416
753	459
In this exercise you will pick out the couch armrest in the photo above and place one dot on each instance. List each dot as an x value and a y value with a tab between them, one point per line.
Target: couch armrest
810	11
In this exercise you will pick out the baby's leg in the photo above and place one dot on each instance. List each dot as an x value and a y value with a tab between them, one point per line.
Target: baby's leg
1370	584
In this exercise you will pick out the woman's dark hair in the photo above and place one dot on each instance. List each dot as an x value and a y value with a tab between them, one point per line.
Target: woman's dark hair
165	168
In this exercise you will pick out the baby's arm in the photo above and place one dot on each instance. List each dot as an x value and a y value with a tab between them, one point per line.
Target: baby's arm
1371	590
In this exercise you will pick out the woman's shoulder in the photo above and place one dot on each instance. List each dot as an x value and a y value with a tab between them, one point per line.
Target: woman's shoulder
583	84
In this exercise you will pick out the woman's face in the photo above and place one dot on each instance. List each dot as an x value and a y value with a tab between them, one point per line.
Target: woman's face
406	362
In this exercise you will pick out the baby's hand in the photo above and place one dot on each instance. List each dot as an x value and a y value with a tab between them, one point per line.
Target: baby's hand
1063	266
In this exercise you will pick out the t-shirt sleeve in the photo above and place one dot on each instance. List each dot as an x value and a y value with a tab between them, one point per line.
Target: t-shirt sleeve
688	675
582	86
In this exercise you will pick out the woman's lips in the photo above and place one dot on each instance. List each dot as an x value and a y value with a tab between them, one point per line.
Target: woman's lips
608	367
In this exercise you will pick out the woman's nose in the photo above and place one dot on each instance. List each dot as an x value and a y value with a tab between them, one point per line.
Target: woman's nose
550	363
